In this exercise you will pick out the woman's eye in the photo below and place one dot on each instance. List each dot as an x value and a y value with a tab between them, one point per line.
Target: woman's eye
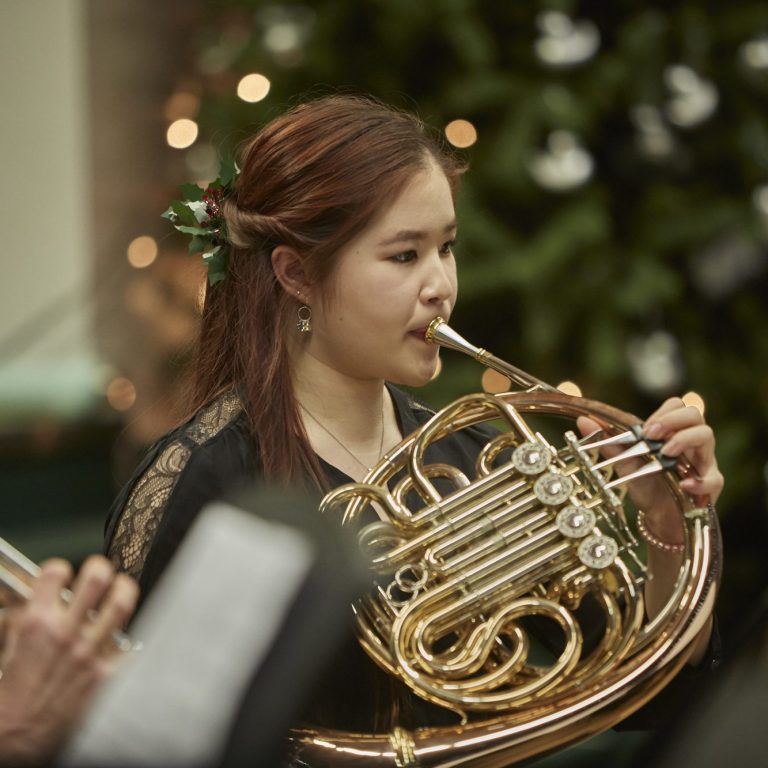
447	248
404	257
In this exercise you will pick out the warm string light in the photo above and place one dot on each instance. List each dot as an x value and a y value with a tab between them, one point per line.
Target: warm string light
569	388
253	87
694	399
142	251
495	382
182	133
461	133
121	393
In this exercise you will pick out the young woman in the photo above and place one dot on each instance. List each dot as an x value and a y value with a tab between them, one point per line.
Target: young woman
341	227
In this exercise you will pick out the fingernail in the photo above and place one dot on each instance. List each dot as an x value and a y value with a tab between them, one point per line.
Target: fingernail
652	431
671	448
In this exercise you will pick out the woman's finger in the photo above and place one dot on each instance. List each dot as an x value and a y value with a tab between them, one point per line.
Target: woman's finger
709	485
660	425
669	405
696	442
587	425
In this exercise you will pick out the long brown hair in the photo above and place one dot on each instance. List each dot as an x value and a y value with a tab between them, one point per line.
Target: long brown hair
311	179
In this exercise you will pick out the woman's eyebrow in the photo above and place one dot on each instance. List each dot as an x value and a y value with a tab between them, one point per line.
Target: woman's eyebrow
414	234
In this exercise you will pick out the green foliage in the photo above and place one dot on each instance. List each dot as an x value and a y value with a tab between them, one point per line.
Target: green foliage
561	282
199	215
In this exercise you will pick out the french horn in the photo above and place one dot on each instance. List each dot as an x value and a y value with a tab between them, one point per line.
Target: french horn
459	577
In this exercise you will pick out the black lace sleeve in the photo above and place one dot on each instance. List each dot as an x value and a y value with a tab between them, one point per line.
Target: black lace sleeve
210	456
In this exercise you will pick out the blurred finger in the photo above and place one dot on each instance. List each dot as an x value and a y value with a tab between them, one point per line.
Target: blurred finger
116	608
587	426
55	576
90	587
38	633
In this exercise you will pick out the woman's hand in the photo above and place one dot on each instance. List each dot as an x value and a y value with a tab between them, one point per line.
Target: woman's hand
684	433
55	654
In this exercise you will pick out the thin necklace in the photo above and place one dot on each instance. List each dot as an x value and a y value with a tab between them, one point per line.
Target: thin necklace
341	445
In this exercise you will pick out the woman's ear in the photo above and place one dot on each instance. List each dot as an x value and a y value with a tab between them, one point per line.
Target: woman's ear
289	271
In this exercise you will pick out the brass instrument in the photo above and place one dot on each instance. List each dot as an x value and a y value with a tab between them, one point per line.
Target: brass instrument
17	575
544	527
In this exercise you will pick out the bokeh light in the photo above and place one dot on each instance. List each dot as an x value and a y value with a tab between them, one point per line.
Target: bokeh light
693	100
182	133
694	399
253	87
565	42
461	133
569	388
655	362
121	393
495	382
142	251
754	53
563	165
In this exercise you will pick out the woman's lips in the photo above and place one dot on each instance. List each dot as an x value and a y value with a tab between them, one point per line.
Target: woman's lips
419	333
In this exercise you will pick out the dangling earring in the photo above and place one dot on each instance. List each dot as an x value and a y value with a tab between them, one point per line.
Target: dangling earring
305	317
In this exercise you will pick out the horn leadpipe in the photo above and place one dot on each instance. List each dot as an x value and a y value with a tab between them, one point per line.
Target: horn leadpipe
439	332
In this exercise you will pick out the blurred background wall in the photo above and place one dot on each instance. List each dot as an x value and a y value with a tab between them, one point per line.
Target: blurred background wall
44	156
50	371
613	224
89	325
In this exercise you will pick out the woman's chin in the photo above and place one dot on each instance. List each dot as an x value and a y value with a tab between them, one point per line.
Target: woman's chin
420	377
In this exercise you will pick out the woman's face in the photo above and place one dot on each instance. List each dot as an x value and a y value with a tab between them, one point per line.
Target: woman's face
389	283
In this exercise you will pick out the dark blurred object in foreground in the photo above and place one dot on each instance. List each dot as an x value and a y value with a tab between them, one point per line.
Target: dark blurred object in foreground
235	636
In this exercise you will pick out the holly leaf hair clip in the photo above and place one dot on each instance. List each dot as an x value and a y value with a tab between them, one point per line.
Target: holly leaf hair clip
199	215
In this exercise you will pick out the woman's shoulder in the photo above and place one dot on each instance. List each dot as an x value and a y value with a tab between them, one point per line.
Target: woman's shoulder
183	470
210	430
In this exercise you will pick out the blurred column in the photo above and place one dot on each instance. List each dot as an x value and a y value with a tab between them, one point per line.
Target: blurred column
145	312
47	360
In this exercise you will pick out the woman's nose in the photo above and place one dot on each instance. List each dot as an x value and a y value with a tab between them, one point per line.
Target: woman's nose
439	280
